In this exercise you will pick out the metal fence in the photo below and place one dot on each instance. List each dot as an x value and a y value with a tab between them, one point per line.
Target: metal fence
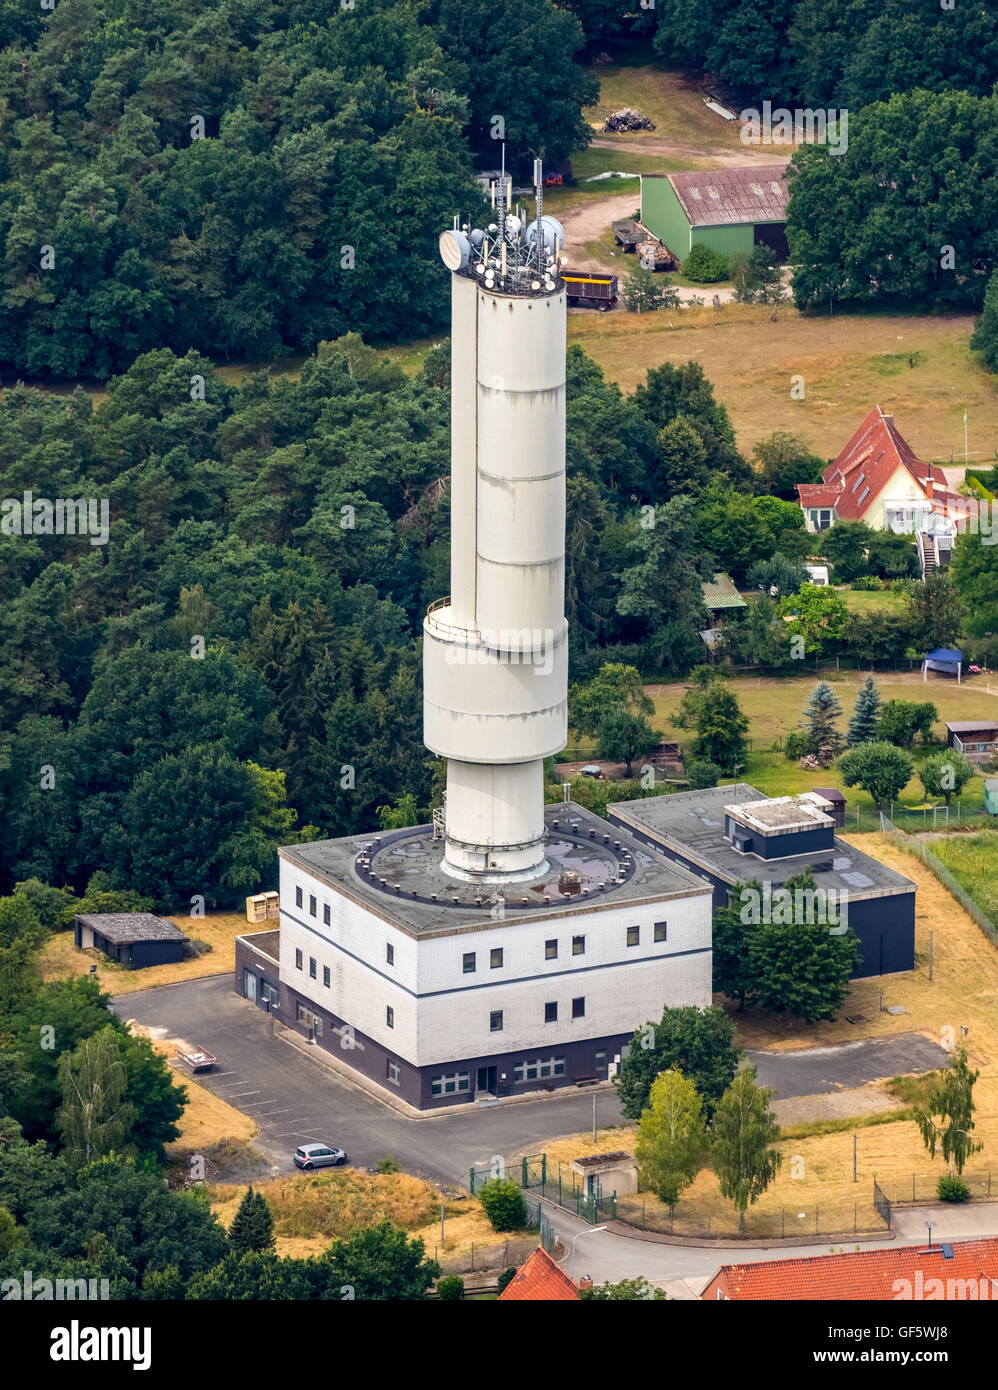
945	876
556	1182
645	1212
882	1203
486	1255
918	1189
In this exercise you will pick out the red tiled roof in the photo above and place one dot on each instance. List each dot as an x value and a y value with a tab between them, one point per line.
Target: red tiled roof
539	1278
864	468
872	1274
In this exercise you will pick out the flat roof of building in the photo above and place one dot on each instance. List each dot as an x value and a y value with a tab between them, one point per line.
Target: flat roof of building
122	927
692	824
410	860
971	726
780	814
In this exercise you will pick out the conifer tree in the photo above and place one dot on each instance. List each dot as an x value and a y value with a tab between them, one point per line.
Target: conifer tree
253	1226
865	714
821	714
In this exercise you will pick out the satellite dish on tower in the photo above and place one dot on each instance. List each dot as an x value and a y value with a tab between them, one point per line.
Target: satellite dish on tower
455	250
552	231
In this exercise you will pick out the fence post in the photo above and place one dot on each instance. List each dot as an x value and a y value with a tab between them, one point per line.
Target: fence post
783	1221
913	1187
855	1217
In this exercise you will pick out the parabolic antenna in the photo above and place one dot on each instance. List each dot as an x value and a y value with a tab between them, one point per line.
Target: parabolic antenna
455	250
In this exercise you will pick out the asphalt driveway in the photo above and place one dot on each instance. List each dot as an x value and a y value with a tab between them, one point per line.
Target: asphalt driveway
296	1100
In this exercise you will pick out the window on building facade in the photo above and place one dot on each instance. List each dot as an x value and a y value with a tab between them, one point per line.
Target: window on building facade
578	945
298	959
326	915
298	897
311	967
550	950
633	936
469	962
495	1021
599	1060
540	1069
495	957
389	953
661	931
579	1007
325	975
311	905
450	1084
551	1012
390	1016
394	1072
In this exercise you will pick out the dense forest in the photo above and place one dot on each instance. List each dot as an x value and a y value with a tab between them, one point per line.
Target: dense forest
249	178
826	53
242	654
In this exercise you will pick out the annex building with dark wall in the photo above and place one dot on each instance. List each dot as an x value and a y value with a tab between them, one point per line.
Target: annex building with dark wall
733	835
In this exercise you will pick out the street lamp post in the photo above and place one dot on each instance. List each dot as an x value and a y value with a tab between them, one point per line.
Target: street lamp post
590	1232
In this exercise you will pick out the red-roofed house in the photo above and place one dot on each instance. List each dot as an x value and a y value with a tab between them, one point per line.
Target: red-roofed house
540	1279
963	1270
878	479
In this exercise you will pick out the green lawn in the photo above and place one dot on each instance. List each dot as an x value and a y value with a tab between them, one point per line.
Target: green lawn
774	708
973	862
866	601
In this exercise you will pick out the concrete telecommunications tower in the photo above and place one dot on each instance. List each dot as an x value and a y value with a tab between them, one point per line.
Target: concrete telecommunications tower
495	667
527	952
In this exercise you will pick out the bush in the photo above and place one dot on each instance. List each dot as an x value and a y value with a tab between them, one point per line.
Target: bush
702	773
705	266
195	948
952	1190
867	583
506	1277
451	1286
389	1164
504	1204
797	745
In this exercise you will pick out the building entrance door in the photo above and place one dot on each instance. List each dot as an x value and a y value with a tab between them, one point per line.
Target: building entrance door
249	985
486	1079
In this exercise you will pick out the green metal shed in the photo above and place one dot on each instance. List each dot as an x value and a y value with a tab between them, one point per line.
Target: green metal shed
991	795
727	210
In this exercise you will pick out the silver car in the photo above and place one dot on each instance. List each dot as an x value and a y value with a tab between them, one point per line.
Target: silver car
319	1156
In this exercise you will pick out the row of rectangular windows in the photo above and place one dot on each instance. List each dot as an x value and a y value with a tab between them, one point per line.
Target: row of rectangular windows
660	932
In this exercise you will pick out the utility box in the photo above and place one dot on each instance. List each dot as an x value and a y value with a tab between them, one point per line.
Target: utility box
263	906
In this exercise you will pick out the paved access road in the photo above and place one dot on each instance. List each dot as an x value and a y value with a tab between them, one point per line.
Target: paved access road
814	1070
296	1100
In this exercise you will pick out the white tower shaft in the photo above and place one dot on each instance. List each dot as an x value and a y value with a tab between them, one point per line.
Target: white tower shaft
496	653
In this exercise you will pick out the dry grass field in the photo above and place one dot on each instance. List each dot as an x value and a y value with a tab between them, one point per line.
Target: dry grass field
964	991
848	362
310	1210
60	958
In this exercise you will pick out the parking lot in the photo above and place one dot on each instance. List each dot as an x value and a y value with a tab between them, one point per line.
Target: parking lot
296	1100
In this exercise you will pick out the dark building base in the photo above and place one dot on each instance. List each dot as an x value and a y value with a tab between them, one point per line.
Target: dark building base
884	927
585	1060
